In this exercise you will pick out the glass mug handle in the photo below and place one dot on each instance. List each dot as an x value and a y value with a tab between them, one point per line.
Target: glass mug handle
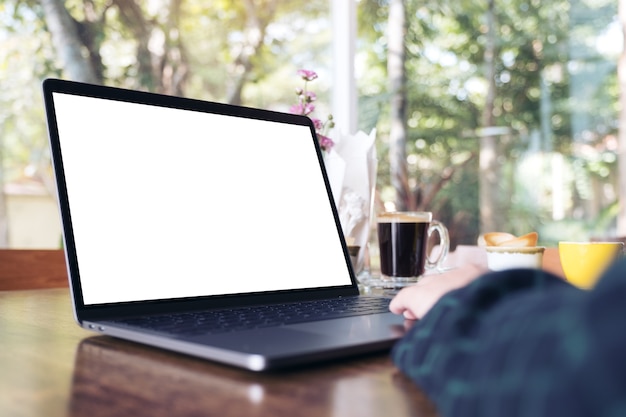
444	244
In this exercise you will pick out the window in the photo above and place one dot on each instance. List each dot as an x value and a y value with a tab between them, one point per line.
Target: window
495	118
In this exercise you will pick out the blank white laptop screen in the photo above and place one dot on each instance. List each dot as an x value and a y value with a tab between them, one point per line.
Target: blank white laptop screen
169	203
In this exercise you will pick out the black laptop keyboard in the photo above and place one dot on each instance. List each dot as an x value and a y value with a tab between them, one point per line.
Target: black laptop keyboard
225	320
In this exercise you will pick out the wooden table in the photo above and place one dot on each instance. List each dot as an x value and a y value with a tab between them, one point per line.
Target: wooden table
51	367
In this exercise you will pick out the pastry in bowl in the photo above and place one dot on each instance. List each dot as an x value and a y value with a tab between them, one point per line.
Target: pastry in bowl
507	251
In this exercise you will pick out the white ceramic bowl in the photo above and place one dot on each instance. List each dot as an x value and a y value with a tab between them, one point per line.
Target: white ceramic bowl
509	257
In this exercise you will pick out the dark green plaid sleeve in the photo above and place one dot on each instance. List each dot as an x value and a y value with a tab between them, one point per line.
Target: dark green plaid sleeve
523	343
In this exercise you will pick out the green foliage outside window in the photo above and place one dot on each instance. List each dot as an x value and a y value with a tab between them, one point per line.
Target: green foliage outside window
555	103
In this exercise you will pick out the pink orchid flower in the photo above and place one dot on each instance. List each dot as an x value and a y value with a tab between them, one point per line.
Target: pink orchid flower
307	75
305	107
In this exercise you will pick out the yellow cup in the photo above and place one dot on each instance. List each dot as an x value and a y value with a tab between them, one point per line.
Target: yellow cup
584	262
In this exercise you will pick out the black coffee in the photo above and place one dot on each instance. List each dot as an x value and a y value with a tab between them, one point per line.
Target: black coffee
402	248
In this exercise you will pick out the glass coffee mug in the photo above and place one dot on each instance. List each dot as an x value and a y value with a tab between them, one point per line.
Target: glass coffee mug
403	240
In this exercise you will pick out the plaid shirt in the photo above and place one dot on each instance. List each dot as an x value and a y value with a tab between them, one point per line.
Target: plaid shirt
523	343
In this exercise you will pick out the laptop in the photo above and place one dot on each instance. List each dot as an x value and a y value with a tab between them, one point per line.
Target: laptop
206	229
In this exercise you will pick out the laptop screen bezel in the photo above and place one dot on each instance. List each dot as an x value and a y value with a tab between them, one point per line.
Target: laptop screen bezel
111	310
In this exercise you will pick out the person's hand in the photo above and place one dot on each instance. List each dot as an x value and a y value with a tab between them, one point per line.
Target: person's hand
414	302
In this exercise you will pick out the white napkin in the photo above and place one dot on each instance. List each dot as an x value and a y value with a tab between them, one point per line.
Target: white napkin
351	165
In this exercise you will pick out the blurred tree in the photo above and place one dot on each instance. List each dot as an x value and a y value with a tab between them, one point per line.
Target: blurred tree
155	45
396	73
497	72
258	15
71	38
489	172
551	87
79	32
217	50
